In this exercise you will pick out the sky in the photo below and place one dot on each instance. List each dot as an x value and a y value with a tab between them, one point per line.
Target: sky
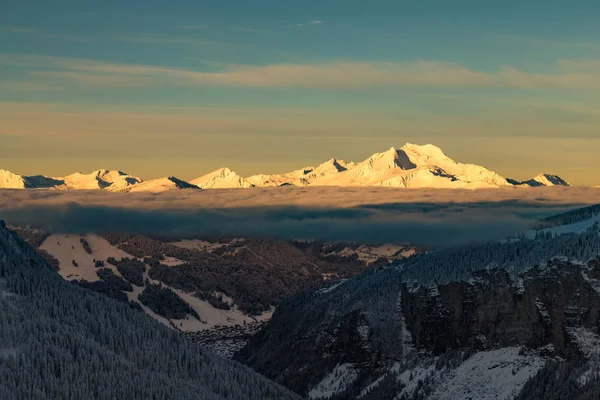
159	88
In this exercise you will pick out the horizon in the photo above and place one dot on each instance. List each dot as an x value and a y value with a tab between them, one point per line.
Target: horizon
187	178
266	87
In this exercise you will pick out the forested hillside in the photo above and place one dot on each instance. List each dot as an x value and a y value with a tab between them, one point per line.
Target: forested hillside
476	321
60	341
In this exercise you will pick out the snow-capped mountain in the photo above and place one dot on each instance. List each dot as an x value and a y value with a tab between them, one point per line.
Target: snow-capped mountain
414	166
411	166
223	178
159	185
100	179
9	180
548	180
301	177
543	180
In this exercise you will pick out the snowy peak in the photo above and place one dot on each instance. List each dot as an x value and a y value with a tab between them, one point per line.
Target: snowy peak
424	152
160	185
100	179
301	177
414	166
108	176
9	180
223	178
549	180
427	156
330	167
541	180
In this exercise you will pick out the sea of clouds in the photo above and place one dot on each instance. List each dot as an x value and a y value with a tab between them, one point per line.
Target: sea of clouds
364	215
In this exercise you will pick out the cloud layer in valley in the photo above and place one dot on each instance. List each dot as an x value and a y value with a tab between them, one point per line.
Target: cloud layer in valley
427	217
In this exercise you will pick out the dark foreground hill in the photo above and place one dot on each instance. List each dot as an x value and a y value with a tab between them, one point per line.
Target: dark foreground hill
59	341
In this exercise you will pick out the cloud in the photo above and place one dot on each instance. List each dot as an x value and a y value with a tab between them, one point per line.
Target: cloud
533	41
152	38
82	78
576	80
435	223
569	74
313	22
28	86
44	34
192	27
335	74
19	29
245	29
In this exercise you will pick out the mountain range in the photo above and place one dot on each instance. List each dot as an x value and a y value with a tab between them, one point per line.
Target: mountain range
412	166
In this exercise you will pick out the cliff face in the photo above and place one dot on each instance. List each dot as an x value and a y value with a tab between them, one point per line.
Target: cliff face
537	309
373	325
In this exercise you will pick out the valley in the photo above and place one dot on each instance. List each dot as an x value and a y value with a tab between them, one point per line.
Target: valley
226	288
488	319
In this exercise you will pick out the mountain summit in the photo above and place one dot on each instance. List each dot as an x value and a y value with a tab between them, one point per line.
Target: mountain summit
414	166
541	180
221	178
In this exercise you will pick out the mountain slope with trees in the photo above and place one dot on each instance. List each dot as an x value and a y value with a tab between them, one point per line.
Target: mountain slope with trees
59	341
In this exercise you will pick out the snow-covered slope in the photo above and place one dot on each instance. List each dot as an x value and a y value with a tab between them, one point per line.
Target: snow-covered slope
547	180
221	179
160	185
414	166
541	180
301	177
9	180
100	179
75	263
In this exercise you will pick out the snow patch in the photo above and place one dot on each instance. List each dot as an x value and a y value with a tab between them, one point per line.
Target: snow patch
587	341
331	288
491	375
67	248
338	380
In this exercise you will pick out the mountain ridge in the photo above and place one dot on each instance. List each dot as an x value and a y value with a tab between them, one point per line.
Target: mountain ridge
411	166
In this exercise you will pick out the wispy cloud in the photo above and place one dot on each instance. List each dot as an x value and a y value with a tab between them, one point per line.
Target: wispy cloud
153	38
563	80
528	40
28	86
45	34
192	27
91	79
569	75
19	29
67	36
245	29
299	25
